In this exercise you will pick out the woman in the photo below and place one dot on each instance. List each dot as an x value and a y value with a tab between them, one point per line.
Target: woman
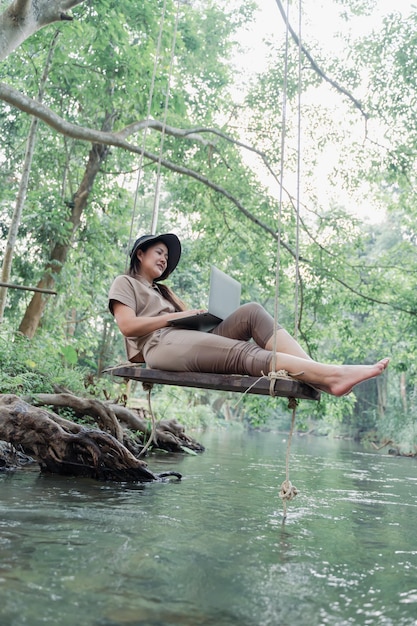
143	309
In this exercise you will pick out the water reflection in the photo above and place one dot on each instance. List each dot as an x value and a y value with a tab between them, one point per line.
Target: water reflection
212	549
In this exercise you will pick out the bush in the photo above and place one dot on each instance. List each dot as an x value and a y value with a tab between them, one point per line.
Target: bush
41	365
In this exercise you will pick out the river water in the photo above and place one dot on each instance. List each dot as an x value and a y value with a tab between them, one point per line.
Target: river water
213	549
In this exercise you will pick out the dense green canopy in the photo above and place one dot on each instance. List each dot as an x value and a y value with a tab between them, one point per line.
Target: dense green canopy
346	284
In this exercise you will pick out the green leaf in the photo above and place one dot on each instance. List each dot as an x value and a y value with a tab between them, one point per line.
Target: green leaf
70	354
188	451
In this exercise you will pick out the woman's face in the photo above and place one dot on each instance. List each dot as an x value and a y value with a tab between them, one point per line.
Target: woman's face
153	261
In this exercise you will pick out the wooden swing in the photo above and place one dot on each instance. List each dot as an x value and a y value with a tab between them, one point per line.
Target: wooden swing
281	385
273	384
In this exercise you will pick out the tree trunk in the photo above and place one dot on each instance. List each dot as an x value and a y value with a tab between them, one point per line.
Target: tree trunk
24	182
107	336
382	389
403	392
36	307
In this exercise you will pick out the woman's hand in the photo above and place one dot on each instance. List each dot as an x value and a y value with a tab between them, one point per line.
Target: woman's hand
182	314
132	326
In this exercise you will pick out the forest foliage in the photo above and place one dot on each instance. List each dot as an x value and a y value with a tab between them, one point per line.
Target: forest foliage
346	284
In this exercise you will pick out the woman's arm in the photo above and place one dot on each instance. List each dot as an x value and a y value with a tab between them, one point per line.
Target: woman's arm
132	326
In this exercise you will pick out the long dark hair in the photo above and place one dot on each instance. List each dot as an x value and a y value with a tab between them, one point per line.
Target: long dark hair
166	292
169	295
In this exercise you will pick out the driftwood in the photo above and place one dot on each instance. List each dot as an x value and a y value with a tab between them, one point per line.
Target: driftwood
63	447
102	414
169	435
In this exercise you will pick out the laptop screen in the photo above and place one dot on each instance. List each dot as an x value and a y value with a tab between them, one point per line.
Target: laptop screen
224	295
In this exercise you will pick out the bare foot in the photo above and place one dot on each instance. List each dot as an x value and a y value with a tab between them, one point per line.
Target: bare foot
347	376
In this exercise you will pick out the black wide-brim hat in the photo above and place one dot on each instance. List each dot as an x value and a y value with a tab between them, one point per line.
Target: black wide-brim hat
172	243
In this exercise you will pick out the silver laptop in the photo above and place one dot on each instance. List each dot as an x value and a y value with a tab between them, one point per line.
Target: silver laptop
224	298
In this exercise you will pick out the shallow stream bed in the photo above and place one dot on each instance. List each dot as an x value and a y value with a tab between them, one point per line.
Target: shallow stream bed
213	548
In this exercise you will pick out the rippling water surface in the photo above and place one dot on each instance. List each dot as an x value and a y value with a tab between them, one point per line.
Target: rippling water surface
213	548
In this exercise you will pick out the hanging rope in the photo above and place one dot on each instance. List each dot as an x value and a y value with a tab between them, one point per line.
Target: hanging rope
145	131
155	213
272	376
152	437
287	490
281	187
297	229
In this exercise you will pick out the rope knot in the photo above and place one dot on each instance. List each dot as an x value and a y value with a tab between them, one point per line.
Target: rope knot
288	491
292	403
273	376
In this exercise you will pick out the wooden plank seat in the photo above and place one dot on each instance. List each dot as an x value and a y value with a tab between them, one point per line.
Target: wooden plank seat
283	387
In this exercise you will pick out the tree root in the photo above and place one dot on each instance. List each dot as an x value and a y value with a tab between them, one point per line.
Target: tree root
169	435
63	447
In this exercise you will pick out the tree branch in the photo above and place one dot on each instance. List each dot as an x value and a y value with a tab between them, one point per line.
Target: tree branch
23	18
316	68
118	139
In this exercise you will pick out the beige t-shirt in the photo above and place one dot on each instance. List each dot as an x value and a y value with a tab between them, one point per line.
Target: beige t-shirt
145	299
